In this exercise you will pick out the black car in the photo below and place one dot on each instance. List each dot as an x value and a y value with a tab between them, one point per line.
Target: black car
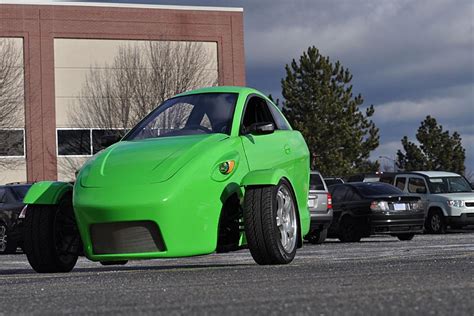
11	204
362	209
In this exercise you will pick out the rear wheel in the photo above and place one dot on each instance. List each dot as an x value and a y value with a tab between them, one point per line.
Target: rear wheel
52	242
405	236
349	230
317	236
271	223
6	246
435	222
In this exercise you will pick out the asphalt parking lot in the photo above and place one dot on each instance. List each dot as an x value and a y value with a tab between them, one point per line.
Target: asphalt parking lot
430	275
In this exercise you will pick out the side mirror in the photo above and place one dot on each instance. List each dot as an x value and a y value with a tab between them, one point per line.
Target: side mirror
261	128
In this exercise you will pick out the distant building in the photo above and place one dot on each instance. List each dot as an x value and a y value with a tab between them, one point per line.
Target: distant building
61	44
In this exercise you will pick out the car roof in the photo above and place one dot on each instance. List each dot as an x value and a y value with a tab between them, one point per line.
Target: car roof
223	89
432	174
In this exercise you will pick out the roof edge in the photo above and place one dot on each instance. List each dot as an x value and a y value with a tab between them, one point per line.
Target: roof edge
125	5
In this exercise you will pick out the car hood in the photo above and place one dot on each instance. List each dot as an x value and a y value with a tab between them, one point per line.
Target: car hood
464	196
145	161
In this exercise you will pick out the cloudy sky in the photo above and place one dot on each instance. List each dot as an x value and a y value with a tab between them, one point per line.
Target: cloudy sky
409	58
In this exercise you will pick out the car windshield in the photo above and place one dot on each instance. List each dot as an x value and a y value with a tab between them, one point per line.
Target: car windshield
376	189
205	113
448	185
20	191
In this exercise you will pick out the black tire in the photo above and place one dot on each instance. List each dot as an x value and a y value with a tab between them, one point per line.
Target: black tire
114	263
264	237
52	242
435	222
405	236
317	236
6	246
349	230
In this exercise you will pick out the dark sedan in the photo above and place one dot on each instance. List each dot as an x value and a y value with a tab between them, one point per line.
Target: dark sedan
362	209
11	204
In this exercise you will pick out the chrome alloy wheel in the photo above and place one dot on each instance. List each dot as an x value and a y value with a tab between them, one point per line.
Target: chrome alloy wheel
3	238
286	219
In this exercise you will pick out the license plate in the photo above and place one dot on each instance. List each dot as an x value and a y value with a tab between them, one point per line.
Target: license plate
399	206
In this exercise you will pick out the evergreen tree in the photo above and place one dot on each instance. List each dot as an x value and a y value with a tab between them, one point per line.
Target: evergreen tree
318	101
437	150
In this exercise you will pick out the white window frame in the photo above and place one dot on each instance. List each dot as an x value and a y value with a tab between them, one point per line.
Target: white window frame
90	136
24	142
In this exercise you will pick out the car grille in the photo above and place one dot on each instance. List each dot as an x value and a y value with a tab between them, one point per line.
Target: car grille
126	237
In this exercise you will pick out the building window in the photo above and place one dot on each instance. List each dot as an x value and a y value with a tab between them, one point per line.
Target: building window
86	141
12	142
74	142
102	138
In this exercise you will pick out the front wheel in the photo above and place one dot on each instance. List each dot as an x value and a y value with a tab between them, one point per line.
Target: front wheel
405	236
7	246
349	230
435	222
52	242
271	223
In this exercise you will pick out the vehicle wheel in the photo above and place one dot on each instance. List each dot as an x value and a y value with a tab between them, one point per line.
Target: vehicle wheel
6	247
317	236
52	242
349	230
271	225
405	236
114	263
435	223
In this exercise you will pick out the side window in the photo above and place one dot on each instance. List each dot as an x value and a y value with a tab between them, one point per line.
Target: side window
316	183
256	111
400	183
279	119
416	185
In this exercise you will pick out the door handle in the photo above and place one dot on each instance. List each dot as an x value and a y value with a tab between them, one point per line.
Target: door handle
287	149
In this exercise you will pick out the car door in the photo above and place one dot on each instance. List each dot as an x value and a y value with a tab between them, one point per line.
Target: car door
267	151
417	186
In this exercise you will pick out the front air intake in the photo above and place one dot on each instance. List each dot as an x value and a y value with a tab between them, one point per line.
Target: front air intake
126	237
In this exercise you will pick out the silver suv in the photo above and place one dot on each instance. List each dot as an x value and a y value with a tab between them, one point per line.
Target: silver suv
320	208
447	198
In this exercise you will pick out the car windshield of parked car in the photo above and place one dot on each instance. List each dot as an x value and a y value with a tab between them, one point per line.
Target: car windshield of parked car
449	185
206	113
20	191
377	189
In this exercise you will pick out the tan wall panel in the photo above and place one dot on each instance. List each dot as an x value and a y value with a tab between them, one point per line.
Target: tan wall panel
67	166
18	121
14	171
85	53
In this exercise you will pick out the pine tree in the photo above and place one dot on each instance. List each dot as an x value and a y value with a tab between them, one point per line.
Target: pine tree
437	150
318	101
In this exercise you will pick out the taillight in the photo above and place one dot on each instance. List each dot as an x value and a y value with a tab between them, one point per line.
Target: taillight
329	200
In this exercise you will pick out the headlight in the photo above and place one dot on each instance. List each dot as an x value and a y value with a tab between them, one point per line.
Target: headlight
456	203
379	206
415	206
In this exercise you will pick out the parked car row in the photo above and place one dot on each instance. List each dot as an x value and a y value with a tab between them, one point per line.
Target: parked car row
11	226
399	204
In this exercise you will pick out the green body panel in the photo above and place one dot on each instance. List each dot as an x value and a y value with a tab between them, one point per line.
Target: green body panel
47	192
175	182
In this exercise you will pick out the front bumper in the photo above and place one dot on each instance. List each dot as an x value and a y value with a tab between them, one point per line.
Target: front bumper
462	220
398	223
144	222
